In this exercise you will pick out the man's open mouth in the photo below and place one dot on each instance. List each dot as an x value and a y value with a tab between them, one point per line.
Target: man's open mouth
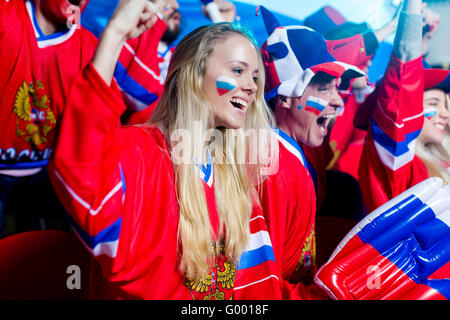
324	121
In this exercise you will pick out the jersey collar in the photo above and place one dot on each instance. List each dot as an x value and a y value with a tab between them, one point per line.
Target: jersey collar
206	170
291	145
47	40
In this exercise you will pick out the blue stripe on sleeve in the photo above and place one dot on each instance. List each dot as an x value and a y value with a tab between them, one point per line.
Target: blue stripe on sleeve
394	147
108	234
256	257
24	165
132	87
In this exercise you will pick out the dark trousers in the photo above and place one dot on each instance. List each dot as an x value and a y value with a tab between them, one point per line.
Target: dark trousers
31	203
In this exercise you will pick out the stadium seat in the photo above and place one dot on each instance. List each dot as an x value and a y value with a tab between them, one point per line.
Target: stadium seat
329	233
39	265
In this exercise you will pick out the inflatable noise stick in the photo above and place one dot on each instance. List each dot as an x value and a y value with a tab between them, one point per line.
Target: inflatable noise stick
213	10
440	201
422	191
406	241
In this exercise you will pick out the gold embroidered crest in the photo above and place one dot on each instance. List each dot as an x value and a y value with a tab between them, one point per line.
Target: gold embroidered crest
218	281
304	272
336	154
34	117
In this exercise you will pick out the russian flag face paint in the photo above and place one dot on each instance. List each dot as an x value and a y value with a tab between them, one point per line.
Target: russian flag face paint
315	105
225	84
430	113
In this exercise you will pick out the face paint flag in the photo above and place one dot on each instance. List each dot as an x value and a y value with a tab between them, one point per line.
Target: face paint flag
430	113
315	105
225	84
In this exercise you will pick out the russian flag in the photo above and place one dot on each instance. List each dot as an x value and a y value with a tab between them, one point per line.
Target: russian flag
430	113
400	251
315	105
225	84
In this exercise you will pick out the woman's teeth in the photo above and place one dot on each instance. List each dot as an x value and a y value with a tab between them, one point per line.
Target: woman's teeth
238	103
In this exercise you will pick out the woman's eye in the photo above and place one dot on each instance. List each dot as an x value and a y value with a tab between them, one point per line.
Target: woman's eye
237	70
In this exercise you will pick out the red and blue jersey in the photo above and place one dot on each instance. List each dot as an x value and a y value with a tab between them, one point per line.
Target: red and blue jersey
388	163
122	200
288	203
36	72
137	72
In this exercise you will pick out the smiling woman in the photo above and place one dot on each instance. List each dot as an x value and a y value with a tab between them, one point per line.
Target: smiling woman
206	62
158	228
430	147
236	60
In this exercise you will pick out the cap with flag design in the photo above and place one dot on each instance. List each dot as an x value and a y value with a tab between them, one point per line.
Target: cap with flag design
437	79
293	55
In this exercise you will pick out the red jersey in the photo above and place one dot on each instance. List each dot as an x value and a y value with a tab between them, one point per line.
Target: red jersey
289	205
118	185
36	71
388	163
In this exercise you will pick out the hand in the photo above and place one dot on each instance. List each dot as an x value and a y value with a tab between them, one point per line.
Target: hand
130	20
132	17
429	27
226	8
160	4
389	27
430	21
400	251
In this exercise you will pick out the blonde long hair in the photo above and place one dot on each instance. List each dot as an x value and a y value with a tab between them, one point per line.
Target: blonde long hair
184	107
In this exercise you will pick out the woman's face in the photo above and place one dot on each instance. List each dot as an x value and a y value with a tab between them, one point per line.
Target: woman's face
436	116
230	80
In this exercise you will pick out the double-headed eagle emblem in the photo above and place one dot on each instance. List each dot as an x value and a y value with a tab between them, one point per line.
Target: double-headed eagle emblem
34	117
